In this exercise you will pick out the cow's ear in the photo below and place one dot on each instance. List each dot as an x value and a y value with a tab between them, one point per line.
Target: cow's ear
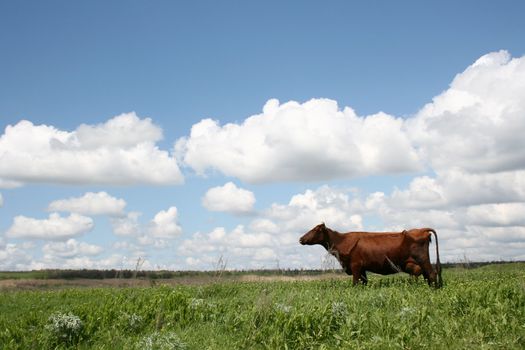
322	224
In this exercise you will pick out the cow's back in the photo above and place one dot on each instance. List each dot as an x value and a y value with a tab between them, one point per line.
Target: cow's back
378	251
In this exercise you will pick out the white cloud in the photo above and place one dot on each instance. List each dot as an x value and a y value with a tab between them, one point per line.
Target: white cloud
54	228
125	130
292	141
127	246
502	214
190	261
239	238
13	257
164	224
90	203
234	247
121	151
477	124
8	184
264	225
127	225
455	188
266	255
229	198
397	218
325	204
423	192
500	236
71	248
88	262
1	200
157	233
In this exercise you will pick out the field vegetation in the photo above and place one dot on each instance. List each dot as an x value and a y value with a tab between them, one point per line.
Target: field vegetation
480	308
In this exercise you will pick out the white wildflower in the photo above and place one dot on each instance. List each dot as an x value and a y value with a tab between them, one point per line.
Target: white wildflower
406	311
339	310
196	303
65	327
132	321
161	341
283	308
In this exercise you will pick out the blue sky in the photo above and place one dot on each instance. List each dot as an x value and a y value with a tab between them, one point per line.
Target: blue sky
350	141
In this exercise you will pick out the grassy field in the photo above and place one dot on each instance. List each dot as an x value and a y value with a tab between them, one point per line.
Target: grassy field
481	308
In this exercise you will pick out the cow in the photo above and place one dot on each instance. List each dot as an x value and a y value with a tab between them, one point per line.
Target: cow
384	253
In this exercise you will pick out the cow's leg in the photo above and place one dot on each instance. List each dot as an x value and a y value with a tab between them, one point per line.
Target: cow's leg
413	269
429	273
355	277
363	277
356	274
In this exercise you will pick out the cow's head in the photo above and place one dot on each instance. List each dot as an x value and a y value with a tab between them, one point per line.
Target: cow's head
317	235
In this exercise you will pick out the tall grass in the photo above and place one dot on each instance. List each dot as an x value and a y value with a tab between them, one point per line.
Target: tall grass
480	309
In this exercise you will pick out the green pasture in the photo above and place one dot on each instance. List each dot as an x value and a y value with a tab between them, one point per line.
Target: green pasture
481	308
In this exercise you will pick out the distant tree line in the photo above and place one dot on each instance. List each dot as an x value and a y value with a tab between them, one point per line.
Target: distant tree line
164	274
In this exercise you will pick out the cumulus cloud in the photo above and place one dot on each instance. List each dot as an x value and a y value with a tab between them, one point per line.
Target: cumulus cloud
455	188
501	214
90	203
234	247
53	228
71	248
324	204
229	198
88	262
164	224
14	257
1	200
477	124
127	225
121	151
158	232
125	130
314	140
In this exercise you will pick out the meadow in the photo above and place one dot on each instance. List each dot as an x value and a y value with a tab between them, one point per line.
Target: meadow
481	308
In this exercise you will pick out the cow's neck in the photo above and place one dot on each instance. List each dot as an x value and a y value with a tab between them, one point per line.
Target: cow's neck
331	244
332	240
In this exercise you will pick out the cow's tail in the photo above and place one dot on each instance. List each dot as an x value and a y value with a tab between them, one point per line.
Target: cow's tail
439	282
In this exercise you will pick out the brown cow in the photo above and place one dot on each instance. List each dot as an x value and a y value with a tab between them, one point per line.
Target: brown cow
380	252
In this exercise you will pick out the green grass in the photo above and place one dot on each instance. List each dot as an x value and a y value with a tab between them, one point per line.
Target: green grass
481	308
